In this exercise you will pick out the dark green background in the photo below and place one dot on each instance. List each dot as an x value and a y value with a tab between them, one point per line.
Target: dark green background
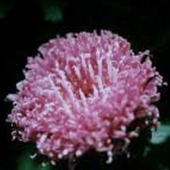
25	25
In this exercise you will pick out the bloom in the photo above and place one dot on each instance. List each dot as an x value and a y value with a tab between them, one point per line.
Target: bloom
83	91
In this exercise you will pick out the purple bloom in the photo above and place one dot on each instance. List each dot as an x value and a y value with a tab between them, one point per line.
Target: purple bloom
83	91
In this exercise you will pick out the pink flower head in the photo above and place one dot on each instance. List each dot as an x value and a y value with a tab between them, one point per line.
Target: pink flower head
83	91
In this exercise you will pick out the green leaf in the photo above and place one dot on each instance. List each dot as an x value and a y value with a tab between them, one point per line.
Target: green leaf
161	134
26	163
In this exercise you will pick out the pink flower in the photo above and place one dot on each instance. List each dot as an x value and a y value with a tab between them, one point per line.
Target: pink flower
83	91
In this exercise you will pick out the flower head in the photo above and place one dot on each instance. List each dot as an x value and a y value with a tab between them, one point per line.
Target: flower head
82	92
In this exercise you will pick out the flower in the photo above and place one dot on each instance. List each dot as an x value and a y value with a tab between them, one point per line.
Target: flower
82	92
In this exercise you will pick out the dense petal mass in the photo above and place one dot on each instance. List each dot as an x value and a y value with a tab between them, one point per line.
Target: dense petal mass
83	91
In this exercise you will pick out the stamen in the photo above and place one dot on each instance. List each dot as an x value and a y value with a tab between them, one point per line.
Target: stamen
100	84
77	71
83	61
83	98
91	71
109	67
99	63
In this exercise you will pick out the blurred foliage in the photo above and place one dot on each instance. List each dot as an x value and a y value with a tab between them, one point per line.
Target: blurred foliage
53	10
5	7
156	154
161	135
26	163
